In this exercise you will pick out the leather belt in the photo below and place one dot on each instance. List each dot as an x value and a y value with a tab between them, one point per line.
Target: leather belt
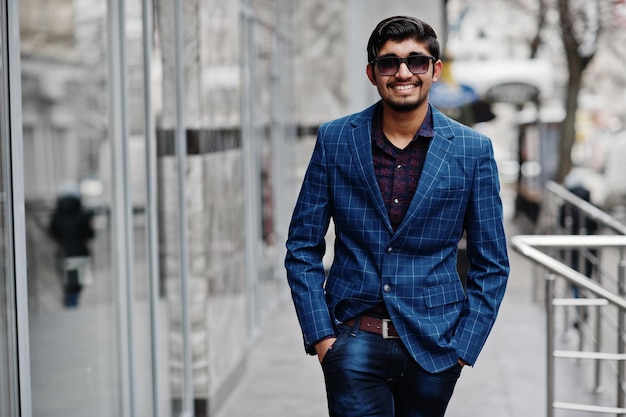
383	327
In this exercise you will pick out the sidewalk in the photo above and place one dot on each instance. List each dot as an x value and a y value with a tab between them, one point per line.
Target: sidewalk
507	381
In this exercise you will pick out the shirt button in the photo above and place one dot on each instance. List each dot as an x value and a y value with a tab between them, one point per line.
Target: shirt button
386	288
395	200
399	167
389	249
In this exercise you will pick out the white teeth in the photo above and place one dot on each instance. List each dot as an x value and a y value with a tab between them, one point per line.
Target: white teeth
404	87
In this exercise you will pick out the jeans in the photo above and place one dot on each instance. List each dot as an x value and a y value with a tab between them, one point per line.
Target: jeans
367	375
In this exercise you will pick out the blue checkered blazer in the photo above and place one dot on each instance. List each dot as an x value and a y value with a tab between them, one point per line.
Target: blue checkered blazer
414	268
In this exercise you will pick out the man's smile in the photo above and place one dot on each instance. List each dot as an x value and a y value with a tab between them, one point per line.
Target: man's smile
404	88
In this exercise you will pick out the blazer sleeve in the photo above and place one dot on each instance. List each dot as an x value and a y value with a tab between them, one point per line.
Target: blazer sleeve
487	254
306	247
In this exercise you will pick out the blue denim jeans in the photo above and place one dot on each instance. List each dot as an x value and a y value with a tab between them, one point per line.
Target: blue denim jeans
368	376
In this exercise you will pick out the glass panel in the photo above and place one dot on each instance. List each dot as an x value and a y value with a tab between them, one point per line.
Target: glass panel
8	348
263	48
72	285
214	204
172	387
138	193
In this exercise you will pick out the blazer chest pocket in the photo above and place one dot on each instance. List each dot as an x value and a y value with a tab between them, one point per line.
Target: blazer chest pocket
451	186
439	295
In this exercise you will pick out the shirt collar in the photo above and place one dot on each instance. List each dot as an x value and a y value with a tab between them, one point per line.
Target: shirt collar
426	130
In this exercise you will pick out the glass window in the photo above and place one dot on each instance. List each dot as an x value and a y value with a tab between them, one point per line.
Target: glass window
138	186
68	197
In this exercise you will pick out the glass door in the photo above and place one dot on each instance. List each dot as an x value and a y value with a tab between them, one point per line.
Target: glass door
73	286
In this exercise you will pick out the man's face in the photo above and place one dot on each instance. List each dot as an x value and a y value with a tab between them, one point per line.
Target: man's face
404	91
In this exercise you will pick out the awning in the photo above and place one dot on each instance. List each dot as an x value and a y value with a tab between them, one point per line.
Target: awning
446	95
505	80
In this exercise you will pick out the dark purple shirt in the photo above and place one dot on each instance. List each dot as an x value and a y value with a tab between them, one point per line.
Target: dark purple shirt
398	170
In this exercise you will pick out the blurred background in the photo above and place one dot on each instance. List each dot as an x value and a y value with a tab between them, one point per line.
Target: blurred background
151	152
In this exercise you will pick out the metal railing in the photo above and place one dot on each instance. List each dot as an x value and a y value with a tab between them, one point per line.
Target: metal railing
596	292
596	296
557	193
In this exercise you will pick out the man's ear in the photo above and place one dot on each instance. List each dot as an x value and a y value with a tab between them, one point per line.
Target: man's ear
437	69
369	69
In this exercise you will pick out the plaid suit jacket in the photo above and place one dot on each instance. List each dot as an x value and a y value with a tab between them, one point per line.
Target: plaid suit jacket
414	268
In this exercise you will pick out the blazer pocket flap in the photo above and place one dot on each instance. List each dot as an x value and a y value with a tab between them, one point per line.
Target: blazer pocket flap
439	295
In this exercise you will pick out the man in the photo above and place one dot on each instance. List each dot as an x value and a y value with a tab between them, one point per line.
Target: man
392	324
70	226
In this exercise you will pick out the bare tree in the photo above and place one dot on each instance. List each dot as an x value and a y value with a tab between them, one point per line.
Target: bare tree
541	23
580	28
573	32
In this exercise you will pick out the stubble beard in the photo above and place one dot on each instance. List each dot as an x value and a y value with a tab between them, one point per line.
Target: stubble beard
405	106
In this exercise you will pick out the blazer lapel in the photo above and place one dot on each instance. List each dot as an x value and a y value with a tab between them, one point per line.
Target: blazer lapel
435	166
360	144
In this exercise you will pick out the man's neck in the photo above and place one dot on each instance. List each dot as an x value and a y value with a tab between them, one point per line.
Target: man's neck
400	127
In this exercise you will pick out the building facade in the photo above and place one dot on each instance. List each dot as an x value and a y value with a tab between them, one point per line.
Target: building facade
175	128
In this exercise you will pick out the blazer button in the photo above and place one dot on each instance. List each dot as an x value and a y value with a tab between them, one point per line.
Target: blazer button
386	288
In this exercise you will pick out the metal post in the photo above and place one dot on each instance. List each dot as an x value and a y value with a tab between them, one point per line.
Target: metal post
581	261
568	224
621	276
597	363
181	159
151	202
15	218
280	37
250	142
550	281
121	207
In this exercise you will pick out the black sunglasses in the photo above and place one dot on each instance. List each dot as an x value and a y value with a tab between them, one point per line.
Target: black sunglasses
389	65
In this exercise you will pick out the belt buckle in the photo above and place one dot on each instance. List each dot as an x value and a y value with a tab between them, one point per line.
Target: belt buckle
385	329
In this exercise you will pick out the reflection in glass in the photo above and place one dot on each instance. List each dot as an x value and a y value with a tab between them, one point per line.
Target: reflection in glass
73	137
72	304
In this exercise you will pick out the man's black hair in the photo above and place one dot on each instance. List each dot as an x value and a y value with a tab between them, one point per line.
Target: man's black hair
400	28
